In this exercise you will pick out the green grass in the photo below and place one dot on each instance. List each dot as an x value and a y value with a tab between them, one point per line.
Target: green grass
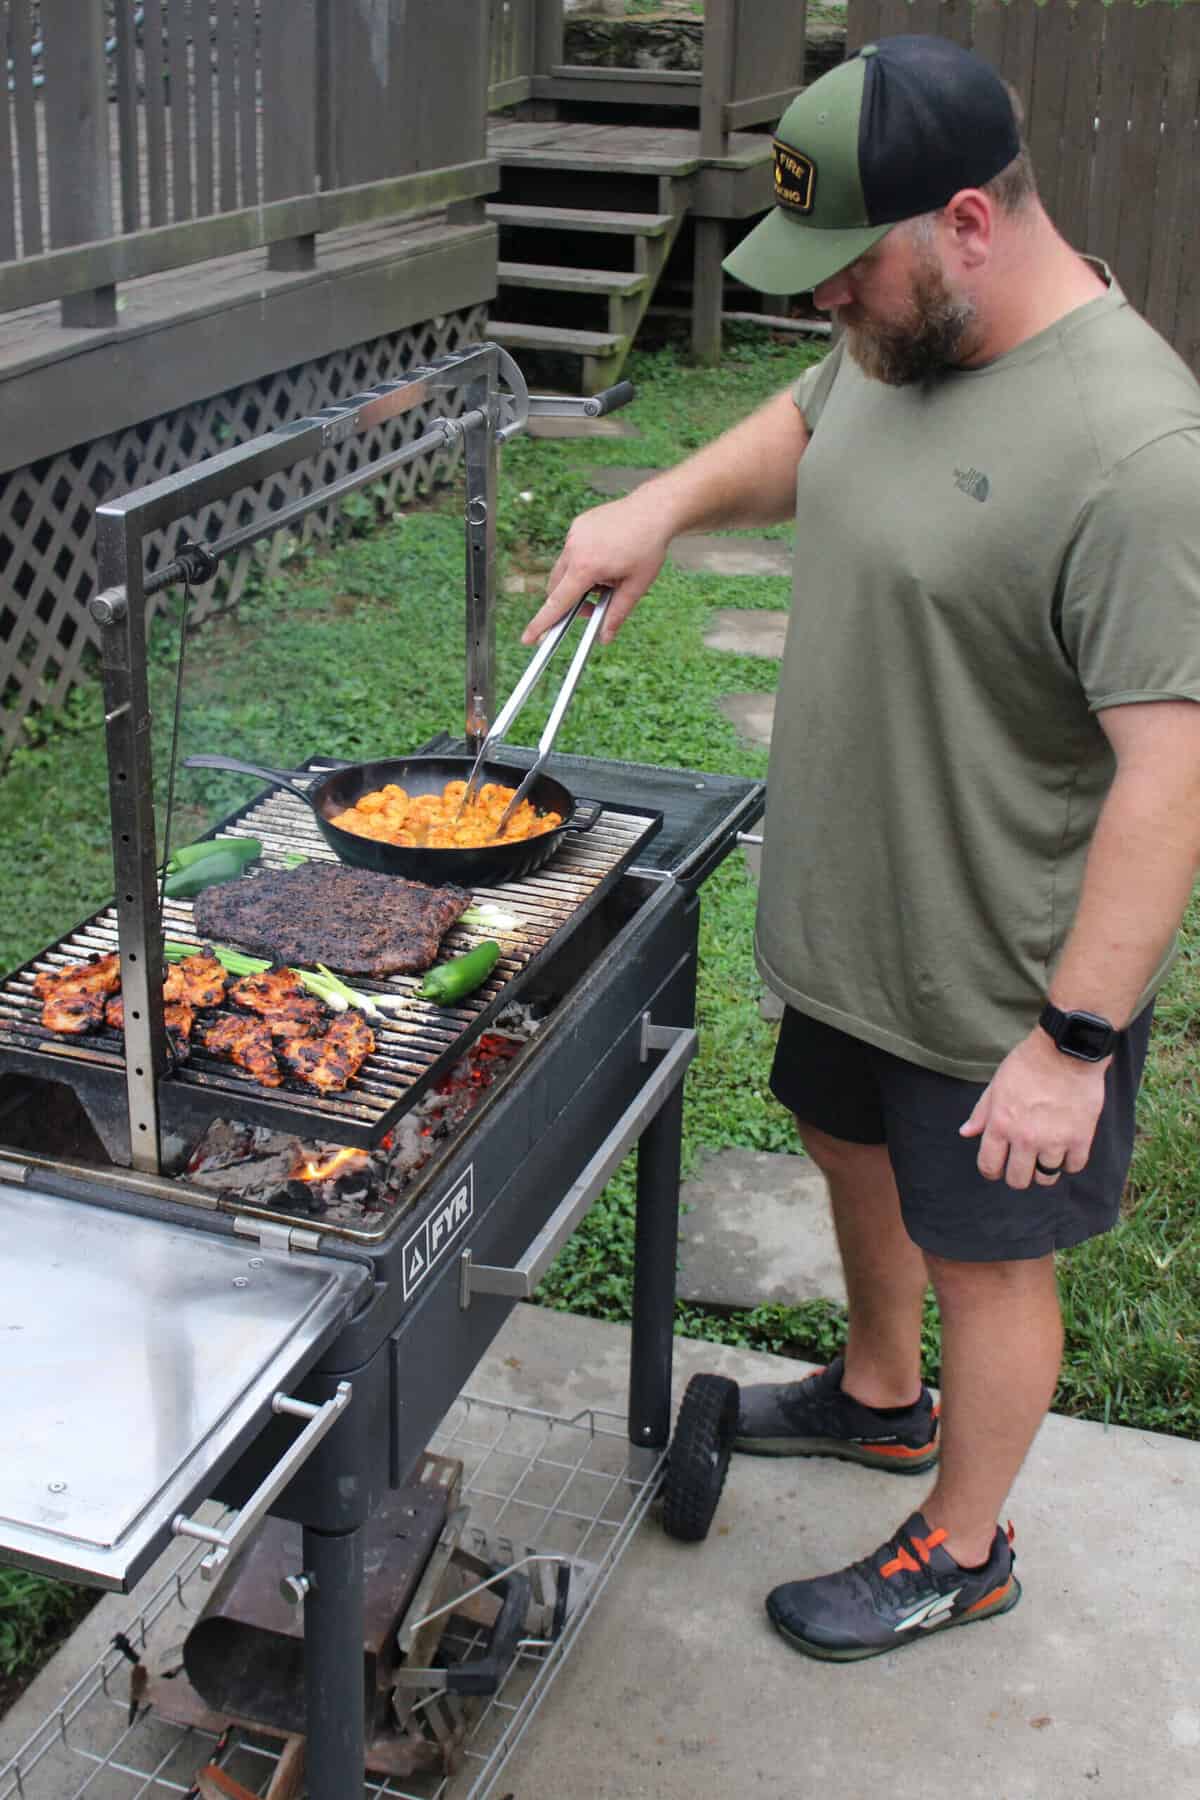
358	650
34	1612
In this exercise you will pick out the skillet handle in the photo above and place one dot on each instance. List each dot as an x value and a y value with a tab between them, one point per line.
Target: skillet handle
590	818
283	777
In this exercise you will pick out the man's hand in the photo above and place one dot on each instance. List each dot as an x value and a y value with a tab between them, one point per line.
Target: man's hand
1039	1106
622	546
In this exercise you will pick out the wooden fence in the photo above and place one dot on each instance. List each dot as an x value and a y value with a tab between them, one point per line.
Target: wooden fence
1111	93
237	124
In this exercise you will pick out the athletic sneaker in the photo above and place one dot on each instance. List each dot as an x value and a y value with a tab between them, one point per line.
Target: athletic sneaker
909	1588
814	1417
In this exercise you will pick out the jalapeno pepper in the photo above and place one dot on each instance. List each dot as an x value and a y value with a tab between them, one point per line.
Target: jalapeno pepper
223	864
246	848
448	982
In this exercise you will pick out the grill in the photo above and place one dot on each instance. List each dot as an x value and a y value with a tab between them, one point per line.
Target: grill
411	1053
298	1373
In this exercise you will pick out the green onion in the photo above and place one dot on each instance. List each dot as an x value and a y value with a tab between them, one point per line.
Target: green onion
329	988
490	917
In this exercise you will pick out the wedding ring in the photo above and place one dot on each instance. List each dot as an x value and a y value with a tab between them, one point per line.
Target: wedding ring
1044	1168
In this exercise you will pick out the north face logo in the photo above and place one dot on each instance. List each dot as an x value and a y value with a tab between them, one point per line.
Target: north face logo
972	482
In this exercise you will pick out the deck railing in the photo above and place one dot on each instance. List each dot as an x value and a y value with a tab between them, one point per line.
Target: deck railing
753	65
180	130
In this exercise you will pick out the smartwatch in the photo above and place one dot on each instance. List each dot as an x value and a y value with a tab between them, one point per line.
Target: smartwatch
1082	1034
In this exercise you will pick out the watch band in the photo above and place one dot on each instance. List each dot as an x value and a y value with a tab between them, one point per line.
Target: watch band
1085	1035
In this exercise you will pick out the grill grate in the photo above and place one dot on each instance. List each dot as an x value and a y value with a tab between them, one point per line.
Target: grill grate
413	1049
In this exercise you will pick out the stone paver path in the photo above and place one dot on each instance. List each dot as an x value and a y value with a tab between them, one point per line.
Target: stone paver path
752	714
732	556
748	632
614	482
755	1228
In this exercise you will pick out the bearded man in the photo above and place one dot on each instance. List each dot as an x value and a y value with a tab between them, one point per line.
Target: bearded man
983	812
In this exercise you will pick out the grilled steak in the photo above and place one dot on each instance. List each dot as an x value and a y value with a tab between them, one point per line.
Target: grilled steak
356	921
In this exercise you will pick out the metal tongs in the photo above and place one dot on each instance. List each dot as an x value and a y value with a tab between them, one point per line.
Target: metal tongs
516	700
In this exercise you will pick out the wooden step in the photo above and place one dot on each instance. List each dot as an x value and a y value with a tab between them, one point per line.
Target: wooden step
555	337
571	218
569	281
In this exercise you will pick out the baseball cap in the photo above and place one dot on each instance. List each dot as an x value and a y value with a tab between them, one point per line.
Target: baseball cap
892	132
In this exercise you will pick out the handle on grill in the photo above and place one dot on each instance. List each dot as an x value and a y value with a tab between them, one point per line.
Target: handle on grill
287	778
233	1538
587	814
519	1282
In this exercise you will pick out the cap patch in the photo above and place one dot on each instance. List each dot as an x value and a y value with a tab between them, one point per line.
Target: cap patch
795	179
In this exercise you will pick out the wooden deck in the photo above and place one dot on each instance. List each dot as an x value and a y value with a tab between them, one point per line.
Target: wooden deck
196	331
619	149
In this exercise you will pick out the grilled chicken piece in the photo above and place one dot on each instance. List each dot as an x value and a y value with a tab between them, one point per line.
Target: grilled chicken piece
73	1013
201	980
328	1063
73	998
99	975
282	1002
246	1043
177	1014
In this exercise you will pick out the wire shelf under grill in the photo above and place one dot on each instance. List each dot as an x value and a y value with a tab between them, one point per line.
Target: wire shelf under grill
572	1487
413	1049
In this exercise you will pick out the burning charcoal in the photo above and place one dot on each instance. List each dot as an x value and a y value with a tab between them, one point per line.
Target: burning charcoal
305	1197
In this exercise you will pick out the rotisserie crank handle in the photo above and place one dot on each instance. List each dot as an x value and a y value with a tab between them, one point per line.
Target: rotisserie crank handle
609	399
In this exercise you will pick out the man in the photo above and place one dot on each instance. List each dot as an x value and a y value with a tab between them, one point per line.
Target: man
983	810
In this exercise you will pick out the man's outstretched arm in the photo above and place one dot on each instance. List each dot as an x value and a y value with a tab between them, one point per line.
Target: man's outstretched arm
746	477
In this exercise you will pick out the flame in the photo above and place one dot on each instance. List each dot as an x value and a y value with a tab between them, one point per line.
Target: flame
333	1165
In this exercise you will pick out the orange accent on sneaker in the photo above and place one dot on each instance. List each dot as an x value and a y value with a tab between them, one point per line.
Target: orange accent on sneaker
900	1451
922	1546
990	1600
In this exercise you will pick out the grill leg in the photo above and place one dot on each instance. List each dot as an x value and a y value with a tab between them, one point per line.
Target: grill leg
655	1248
333	1664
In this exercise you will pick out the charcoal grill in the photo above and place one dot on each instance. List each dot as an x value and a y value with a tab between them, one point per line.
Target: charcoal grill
168	1344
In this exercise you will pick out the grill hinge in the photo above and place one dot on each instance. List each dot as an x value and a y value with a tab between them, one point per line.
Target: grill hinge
14	1171
276	1237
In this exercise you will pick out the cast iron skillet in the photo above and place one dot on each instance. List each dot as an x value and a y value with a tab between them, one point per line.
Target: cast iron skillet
334	792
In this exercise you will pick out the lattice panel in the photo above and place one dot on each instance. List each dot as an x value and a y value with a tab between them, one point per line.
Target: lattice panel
47	532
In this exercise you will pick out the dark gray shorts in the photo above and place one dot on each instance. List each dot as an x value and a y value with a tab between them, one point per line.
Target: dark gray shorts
853	1091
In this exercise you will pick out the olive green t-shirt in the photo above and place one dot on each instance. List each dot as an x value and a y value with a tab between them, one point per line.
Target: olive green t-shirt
983	563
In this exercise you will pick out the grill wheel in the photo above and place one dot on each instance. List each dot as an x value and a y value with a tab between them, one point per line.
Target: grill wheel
698	1459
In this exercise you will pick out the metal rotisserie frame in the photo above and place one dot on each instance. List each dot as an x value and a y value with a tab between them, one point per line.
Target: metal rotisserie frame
410	1309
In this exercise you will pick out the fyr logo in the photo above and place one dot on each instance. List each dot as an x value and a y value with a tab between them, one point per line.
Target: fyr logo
431	1240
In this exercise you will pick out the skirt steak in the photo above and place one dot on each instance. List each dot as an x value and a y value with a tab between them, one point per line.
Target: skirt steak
357	922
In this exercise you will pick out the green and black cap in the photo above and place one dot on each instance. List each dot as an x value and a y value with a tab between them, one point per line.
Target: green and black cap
891	133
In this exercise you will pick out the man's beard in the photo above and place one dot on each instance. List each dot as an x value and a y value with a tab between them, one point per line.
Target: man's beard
925	344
